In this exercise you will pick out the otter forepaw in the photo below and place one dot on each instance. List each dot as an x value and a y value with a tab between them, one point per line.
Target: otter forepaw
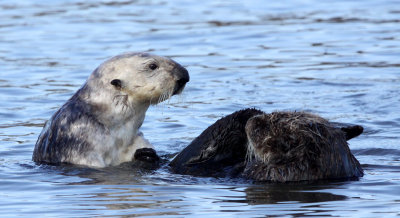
146	157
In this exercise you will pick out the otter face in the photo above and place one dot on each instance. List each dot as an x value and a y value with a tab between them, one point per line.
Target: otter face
143	77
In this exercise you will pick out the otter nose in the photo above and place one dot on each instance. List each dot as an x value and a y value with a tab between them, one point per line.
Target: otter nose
183	75
182	78
181	82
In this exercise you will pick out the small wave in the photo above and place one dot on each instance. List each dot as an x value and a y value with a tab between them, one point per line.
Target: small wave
377	152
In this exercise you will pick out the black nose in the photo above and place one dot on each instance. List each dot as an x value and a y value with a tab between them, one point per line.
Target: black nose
183	78
182	82
183	75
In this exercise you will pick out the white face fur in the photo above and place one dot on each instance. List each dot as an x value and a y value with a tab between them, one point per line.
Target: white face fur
123	87
144	78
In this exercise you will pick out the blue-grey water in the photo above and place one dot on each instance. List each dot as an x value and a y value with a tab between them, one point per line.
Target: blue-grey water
340	59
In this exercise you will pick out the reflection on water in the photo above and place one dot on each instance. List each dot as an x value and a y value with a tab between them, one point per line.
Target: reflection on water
338	59
278	193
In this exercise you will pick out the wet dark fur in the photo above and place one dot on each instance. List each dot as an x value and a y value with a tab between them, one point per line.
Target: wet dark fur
146	158
296	146
219	150
301	146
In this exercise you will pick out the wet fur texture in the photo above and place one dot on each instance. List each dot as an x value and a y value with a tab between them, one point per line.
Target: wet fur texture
99	125
297	146
217	151
275	147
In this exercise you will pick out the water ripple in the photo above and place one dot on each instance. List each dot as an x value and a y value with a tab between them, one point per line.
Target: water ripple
338	59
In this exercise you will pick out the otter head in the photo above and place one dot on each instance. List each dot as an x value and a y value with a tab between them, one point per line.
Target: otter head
141	77
273	137
284	136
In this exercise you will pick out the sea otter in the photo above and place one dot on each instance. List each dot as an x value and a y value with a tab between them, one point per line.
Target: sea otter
99	125
274	147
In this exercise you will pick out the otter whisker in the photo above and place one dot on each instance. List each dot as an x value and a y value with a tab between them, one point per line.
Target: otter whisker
165	95
250	151
161	98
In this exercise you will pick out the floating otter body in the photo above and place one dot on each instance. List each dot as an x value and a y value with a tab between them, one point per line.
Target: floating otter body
99	125
277	147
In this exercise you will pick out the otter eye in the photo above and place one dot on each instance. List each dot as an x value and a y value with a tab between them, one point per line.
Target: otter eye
117	83
153	66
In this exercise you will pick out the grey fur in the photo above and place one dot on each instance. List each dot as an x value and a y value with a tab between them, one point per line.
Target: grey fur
98	126
55	144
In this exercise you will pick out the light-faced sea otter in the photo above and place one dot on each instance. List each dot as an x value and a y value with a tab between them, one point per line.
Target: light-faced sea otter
99	125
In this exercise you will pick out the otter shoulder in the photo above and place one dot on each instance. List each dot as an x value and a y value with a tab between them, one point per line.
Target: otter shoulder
65	132
219	147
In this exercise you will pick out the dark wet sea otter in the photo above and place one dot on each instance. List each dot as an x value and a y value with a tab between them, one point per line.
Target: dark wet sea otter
277	147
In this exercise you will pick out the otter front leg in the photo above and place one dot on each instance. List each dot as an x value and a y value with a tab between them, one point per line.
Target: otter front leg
145	155
140	142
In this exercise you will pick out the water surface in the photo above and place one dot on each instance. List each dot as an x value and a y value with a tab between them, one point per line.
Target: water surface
338	59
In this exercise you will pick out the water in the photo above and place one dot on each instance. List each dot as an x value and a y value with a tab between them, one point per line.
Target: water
338	59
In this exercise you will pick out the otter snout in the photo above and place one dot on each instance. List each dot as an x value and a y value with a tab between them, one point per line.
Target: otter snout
182	76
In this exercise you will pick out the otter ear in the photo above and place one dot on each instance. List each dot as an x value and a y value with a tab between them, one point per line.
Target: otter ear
116	83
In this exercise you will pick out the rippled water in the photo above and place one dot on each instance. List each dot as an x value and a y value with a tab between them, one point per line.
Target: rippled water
338	59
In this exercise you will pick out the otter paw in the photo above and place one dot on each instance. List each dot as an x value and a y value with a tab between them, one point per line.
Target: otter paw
146	158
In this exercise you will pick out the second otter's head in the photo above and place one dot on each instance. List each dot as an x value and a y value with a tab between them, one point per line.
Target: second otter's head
281	137
142	77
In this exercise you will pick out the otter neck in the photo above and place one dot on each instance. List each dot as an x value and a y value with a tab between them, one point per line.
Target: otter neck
113	108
